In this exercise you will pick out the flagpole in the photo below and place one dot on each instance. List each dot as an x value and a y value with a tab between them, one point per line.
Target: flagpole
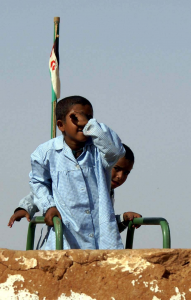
54	99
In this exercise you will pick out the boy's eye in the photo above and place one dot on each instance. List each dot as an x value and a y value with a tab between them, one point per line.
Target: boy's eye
126	173
116	168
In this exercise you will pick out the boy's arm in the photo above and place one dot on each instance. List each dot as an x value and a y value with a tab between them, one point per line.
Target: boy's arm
27	203
40	181
106	140
26	209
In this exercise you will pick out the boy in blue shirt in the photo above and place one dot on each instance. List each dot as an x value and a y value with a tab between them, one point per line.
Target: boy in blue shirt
119	174
71	177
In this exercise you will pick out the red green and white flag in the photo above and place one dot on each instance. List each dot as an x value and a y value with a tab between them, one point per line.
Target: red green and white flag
54	69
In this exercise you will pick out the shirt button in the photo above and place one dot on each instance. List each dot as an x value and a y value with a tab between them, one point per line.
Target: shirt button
91	235
77	166
87	212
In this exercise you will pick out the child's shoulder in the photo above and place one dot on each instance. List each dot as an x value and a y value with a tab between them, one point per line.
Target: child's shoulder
53	144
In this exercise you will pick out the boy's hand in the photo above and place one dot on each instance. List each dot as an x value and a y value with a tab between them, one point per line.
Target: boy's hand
17	216
50	214
129	216
79	118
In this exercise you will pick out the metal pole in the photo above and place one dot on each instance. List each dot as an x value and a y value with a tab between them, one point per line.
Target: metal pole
54	99
58	232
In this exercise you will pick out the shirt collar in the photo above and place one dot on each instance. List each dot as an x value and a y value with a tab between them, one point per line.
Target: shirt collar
59	142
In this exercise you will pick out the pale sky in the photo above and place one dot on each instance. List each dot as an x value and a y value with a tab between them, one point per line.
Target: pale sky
131	59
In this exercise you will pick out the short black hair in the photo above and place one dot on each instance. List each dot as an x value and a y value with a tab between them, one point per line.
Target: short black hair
129	153
63	106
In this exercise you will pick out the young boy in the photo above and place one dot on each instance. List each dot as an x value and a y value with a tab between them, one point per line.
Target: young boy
71	176
119	174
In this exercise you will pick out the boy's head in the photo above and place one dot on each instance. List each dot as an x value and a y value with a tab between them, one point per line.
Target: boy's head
65	105
122	168
72	114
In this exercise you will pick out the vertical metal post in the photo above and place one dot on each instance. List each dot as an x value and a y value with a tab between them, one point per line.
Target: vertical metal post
58	232
30	236
130	236
166	234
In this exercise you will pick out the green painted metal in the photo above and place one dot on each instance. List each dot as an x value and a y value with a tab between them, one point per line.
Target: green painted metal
149	221
58	232
40	220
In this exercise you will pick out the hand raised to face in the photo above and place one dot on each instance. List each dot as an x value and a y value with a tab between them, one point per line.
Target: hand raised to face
73	124
79	118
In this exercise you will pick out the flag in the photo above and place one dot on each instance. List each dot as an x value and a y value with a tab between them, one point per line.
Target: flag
54	68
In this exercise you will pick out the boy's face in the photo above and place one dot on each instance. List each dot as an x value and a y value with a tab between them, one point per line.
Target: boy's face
120	172
73	133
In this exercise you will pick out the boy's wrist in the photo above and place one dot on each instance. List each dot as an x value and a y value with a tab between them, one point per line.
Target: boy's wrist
120	220
19	208
53	206
48	203
123	222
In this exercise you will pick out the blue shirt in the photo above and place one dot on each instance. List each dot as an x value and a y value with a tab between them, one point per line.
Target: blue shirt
79	188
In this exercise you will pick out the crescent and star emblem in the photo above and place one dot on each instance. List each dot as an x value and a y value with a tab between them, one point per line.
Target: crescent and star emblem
53	65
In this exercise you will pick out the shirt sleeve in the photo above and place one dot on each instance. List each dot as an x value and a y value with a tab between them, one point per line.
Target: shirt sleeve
120	223
106	140
27	203
41	182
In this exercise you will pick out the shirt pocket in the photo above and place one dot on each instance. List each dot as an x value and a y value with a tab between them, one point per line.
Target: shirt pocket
60	187
60	190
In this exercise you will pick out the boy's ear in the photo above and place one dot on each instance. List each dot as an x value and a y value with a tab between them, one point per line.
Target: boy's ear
61	125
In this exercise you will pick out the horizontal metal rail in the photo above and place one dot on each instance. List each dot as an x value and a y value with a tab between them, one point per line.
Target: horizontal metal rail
40	220
149	221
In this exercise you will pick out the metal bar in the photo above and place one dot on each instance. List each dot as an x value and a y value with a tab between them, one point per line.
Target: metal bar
58	232
40	220
130	235
53	116
149	221
30	236
166	234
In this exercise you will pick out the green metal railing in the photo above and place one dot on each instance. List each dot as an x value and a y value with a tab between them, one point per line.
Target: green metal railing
40	220
130	232
149	221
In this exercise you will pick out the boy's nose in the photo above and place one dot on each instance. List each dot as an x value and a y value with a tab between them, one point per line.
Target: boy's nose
120	175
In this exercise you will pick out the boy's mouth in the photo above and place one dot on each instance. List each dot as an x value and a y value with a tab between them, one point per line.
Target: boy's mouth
80	130
115	183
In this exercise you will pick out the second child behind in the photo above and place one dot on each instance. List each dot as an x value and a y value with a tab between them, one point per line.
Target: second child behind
71	177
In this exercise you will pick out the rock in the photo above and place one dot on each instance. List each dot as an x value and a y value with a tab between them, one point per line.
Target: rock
96	274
